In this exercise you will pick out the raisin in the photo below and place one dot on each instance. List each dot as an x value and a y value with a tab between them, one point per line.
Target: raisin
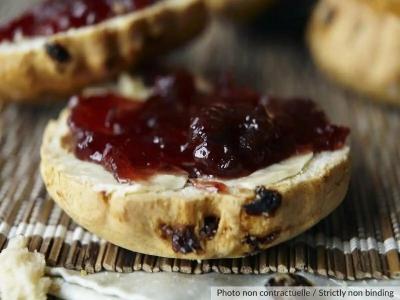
265	202
166	231
256	241
183	238
58	52
329	15
287	280
210	227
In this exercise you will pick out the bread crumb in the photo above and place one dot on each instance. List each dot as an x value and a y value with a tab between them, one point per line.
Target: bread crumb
22	272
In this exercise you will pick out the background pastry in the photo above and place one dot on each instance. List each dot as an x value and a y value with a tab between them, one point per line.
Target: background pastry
353	42
49	52
238	9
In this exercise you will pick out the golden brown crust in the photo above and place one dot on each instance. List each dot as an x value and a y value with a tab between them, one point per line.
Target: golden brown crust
355	43
64	63
238	9
389	6
138	221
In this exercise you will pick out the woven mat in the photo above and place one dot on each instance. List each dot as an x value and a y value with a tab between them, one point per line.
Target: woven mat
361	239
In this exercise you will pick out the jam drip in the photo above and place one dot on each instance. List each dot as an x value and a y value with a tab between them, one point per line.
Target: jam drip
228	133
52	16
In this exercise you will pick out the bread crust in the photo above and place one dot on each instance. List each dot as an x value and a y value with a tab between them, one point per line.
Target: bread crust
355	43
238	9
47	68
135	221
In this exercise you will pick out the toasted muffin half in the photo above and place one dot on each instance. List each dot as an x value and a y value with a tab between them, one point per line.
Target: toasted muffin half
169	216
40	68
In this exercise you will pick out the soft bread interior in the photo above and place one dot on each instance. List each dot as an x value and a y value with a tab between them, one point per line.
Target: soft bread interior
21	268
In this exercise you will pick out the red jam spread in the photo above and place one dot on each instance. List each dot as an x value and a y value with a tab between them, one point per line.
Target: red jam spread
228	133
52	16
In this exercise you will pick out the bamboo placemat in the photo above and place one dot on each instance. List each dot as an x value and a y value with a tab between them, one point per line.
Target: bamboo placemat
361	239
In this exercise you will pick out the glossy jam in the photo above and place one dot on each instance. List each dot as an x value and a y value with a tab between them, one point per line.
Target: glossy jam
228	133
52	16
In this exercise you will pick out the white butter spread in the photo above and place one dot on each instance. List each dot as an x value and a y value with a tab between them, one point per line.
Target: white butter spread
273	173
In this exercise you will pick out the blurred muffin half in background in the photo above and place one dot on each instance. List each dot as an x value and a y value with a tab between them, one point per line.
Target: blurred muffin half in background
238	9
51	51
357	42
